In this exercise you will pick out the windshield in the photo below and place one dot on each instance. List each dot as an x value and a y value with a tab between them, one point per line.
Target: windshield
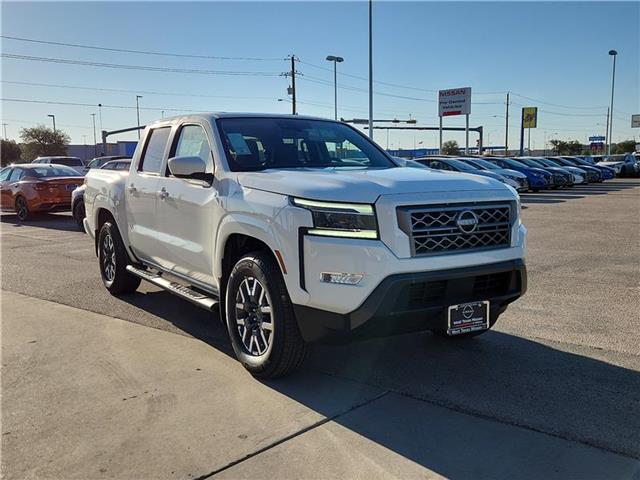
460	165
47	172
262	143
486	164
69	161
514	163
552	163
531	163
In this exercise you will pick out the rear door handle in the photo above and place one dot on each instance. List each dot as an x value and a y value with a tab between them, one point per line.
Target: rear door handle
163	193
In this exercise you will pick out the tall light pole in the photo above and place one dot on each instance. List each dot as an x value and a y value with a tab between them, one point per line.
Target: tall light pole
53	117
335	61
138	97
95	140
370	69
614	54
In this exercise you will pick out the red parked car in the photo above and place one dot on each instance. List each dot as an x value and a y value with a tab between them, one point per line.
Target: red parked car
30	188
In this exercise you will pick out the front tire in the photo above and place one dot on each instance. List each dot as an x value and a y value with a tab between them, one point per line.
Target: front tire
260	319
113	262
79	213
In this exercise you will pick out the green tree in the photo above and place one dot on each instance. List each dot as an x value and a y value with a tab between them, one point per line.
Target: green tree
572	147
9	152
624	147
42	141
450	147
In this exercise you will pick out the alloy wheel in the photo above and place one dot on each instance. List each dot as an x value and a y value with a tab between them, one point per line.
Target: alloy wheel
21	208
253	316
108	258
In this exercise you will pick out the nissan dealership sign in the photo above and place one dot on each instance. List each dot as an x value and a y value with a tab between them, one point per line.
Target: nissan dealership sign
455	101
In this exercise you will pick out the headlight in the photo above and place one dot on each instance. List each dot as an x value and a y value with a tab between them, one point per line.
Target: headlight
348	220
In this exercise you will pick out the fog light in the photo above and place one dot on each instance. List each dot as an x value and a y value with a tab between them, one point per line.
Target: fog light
342	278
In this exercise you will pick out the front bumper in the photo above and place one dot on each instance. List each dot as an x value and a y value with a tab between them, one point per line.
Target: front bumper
409	302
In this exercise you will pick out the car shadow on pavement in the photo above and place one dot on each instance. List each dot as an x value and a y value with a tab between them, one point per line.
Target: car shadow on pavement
498	376
52	221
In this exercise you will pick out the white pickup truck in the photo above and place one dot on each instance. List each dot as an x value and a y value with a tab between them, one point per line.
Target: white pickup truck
304	230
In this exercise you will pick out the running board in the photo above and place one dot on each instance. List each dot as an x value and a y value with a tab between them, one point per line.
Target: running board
178	289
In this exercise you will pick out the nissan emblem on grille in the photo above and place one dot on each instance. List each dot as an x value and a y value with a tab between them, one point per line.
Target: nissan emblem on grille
467	221
437	229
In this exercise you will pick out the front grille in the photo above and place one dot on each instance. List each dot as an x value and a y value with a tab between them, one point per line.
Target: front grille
558	179
450	228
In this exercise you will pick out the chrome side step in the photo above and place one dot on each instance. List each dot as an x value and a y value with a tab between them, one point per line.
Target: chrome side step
178	289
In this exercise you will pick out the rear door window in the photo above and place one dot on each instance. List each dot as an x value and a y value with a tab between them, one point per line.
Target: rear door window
153	154
16	175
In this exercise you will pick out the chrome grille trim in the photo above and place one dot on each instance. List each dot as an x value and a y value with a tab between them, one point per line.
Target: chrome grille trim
433	229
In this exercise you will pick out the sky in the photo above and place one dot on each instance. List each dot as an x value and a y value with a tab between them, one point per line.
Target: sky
551	55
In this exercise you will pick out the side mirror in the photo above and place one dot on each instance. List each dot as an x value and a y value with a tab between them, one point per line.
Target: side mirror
189	168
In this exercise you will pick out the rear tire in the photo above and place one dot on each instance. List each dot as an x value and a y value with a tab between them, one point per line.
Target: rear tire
22	209
113	262
79	214
260	319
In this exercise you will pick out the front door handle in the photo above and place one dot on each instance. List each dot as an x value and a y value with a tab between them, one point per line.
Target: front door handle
132	189
163	193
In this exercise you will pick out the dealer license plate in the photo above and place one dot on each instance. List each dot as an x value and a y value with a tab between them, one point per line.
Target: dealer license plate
468	317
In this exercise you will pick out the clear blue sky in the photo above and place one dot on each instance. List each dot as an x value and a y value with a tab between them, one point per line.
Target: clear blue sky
551	52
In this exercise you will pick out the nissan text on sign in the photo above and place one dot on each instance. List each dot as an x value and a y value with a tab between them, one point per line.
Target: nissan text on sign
456	101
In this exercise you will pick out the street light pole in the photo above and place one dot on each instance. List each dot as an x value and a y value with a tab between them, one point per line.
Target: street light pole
95	140
53	117
614	54
335	61
370	69
138	97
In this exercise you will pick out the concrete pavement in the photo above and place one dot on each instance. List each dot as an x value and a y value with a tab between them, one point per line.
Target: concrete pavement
89	396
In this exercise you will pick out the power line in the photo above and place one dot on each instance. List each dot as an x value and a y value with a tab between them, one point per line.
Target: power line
118	90
77	104
138	67
570	107
140	52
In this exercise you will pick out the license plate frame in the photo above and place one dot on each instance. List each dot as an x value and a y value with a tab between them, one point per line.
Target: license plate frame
468	317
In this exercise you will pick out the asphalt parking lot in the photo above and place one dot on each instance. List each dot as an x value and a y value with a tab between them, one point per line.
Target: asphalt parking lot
145	386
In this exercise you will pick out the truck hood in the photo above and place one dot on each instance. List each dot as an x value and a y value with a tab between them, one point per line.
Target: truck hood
363	186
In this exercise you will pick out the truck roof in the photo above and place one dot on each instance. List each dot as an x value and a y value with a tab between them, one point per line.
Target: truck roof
216	115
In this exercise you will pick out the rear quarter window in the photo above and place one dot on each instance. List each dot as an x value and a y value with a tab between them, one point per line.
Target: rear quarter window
154	150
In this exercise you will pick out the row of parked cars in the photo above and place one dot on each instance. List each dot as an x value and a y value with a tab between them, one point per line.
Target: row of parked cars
56	183
51	184
526	173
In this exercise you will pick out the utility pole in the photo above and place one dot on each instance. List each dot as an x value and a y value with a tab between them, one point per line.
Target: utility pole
506	129
371	69
138	97
522	133
95	140
293	84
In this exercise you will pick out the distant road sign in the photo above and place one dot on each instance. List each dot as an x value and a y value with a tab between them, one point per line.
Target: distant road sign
455	101
596	138
529	117
635	121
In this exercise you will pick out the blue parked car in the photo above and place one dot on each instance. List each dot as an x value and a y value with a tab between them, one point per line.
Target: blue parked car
579	175
561	178
538	178
593	174
607	172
